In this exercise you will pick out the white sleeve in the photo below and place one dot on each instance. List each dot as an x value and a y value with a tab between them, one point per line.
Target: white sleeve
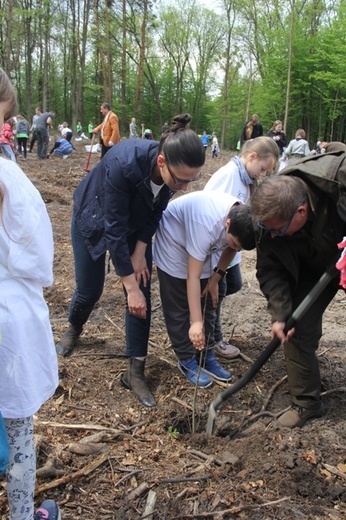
26	228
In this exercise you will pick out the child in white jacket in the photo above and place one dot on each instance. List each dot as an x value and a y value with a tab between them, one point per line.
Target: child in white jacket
28	368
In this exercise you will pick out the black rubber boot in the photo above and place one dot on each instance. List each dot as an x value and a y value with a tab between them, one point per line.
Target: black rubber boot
78	316
68	341
134	380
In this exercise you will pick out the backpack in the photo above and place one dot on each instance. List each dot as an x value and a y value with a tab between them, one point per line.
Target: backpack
326	172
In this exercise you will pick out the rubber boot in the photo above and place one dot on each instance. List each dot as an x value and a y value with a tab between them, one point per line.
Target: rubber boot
133	379
68	341
78	316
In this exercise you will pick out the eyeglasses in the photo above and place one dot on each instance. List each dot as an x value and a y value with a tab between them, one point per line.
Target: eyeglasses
277	232
179	182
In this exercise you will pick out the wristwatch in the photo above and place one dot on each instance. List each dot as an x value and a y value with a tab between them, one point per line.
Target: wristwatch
220	272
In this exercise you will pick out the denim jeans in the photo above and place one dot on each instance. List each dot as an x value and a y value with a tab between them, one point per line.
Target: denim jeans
90	278
231	284
42	143
8	152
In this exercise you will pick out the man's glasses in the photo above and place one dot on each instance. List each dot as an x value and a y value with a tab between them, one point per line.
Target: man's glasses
179	182
277	232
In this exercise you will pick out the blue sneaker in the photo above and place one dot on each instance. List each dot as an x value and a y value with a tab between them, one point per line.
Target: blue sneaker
211	367
190	370
48	510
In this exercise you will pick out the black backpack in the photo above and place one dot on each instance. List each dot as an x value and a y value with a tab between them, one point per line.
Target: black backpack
326	172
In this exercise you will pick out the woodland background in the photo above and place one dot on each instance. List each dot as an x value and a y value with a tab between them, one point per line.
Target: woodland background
281	59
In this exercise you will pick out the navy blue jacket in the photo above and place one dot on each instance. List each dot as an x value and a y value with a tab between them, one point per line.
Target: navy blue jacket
114	206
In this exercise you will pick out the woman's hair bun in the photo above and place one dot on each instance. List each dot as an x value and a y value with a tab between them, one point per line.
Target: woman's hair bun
181	120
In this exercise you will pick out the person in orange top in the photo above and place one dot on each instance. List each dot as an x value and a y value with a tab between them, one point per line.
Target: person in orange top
109	129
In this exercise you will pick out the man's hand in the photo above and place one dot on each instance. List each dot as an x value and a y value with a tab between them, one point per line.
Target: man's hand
110	144
278	330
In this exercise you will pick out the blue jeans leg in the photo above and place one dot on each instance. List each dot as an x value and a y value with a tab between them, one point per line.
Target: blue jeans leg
89	274
231	284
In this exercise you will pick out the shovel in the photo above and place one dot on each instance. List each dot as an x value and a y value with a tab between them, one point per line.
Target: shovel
273	345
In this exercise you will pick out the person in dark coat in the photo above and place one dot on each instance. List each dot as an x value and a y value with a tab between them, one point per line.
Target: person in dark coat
251	129
298	227
278	135
43	124
117	207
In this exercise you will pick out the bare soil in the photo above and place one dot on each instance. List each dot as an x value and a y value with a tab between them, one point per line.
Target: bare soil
249	468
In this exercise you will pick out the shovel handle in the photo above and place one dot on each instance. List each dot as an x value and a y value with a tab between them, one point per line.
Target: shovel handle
309	299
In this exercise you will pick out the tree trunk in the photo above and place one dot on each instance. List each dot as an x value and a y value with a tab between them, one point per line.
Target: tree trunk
289	67
141	57
123	69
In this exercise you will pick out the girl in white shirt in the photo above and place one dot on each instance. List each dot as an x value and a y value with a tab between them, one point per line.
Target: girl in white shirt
238	178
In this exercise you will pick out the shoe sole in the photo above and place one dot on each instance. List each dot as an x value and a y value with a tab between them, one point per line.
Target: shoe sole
222	379
227	356
199	386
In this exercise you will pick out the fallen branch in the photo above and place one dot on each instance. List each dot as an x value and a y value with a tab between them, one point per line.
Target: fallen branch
176	480
140	490
105	429
235	510
332	390
271	391
73	476
246	358
150	505
334	471
179	401
49	470
203	456
126	477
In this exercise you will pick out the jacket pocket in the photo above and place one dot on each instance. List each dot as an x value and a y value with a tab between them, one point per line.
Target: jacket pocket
91	218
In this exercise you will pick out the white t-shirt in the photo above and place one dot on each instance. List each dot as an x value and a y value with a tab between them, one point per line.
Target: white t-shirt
227	180
193	224
28	366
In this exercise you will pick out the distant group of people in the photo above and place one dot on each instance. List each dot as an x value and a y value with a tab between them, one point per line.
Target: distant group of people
297	147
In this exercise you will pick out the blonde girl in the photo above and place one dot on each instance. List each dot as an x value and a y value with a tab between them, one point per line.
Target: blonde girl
238	178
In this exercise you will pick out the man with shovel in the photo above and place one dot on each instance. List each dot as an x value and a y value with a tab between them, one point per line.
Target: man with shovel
299	224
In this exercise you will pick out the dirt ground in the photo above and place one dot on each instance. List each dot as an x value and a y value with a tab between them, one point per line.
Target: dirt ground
160	463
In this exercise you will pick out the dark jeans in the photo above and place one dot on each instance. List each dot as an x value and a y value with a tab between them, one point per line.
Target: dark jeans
90	278
302	365
22	141
33	140
231	284
104	149
175	308
42	142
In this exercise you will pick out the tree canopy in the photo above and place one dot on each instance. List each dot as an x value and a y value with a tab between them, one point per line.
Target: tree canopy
153	59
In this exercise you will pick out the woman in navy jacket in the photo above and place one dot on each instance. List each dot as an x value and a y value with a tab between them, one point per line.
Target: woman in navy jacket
117	207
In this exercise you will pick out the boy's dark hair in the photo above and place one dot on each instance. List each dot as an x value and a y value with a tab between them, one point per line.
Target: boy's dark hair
241	225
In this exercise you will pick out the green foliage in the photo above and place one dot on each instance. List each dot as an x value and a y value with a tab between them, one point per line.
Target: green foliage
173	432
218	65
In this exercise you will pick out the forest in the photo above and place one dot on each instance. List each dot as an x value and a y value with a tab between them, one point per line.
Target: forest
152	59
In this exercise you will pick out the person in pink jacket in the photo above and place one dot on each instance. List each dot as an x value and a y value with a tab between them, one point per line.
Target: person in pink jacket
7	140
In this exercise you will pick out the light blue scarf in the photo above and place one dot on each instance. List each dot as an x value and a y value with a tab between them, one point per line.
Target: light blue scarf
244	176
